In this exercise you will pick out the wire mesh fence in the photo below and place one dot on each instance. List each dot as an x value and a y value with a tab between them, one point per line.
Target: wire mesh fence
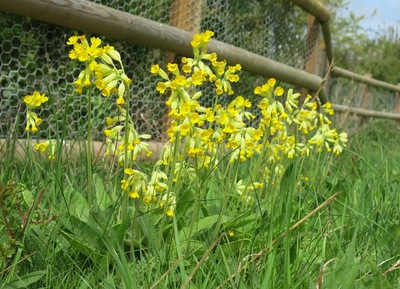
34	56
354	94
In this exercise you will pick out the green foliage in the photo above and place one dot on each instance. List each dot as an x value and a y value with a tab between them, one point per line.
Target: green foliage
350	243
383	55
11	232
24	281
362	51
378	133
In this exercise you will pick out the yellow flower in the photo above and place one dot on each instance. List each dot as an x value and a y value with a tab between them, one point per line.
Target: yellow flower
198	77
31	121
279	91
161	87
72	40
120	101
82	50
327	108
35	100
229	128
184	129
180	80
173	67
155	69
272	82
209	116
186	108
263	104
41	146
233	78
194	117
128	171
187	68
169	200
134	195
170	212
109	121
201	39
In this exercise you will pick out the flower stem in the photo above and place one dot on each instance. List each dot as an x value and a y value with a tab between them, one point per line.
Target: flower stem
125	197
89	152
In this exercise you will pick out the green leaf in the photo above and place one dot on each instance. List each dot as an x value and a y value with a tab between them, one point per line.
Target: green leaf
235	247
78	205
242	220
83	237
204	224
119	230
148	229
27	195
197	248
24	281
103	200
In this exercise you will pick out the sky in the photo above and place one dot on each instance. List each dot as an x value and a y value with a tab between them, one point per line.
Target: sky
387	13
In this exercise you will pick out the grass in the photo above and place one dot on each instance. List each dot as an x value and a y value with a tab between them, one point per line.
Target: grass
352	242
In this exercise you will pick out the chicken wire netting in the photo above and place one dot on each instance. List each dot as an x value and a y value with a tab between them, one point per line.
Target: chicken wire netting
34	56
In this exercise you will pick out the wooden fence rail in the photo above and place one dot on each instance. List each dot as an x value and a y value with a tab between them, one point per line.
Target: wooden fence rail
91	17
340	72
366	112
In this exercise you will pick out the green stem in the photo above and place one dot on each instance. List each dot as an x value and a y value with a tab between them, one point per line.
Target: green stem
171	176
31	153
125	197
179	250
196	209
225	199
89	152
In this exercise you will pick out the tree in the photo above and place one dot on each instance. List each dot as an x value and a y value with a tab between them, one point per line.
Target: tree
384	55
361	51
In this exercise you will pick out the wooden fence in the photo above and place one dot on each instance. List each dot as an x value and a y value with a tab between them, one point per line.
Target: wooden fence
322	14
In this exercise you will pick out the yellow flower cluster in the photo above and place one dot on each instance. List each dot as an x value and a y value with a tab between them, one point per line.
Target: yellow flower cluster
101	70
198	136
280	116
108	78
205	128
32	102
201	132
195	72
137	185
126	144
48	147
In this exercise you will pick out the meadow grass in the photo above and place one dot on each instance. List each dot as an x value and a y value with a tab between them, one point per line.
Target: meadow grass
350	243
305	220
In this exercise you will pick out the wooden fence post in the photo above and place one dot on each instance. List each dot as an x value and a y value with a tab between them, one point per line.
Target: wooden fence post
312	45
317	58
364	104
397	101
325	68
312	49
186	15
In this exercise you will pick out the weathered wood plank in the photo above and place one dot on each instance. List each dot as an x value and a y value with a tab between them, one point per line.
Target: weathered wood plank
365	112
315	8
340	72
